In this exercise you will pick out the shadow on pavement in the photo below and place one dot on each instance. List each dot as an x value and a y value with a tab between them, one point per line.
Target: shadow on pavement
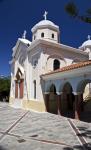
2	148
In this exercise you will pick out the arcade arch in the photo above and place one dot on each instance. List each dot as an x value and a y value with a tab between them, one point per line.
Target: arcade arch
66	98
67	101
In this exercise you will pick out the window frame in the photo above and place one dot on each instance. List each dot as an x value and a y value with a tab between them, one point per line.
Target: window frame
52	35
42	35
56	64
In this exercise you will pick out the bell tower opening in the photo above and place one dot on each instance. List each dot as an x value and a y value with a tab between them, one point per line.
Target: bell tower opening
46	30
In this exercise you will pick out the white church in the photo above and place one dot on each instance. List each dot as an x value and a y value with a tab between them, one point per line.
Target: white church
48	76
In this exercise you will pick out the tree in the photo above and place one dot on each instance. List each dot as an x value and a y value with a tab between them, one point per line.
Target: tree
72	9
4	87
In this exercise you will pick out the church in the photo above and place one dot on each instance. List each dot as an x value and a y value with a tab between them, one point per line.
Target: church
48	76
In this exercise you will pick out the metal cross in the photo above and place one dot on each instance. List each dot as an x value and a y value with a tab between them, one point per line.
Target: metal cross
45	15
89	36
24	34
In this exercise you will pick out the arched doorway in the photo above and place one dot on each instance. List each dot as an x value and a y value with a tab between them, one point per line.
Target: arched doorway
84	87
19	85
53	100
67	102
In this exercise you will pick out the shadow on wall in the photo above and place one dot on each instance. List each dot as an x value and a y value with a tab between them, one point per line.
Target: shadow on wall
86	114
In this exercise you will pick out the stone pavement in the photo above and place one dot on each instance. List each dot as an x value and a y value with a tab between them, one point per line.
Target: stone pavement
28	130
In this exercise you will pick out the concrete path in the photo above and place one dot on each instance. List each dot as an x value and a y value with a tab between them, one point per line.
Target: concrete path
27	130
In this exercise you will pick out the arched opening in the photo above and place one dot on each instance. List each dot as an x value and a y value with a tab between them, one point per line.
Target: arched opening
19	85
56	64
67	102
34	37
52	35
84	87
42	34
53	100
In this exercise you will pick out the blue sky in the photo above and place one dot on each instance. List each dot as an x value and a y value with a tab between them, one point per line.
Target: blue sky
19	15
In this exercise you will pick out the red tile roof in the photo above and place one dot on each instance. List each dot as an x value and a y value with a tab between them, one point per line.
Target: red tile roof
70	67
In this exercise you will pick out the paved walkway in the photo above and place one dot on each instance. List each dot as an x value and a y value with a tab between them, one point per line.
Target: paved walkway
27	130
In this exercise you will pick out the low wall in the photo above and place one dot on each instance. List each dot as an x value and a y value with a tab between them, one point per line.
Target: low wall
34	105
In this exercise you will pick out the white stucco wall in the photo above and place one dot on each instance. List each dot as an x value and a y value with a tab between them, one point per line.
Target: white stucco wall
47	35
43	56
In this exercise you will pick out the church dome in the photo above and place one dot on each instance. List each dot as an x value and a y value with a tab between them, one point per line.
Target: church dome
46	30
45	23
86	44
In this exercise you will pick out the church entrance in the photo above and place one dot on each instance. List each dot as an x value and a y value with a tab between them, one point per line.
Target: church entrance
19	89
67	102
19	85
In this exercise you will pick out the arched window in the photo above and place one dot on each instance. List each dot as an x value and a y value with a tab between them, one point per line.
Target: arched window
52	35
34	37
34	89
42	34
56	64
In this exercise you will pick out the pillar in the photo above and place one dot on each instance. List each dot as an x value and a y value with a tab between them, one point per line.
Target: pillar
77	105
46	99
81	101
59	103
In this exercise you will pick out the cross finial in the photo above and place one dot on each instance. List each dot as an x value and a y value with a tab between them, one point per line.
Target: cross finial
89	36
24	34
45	15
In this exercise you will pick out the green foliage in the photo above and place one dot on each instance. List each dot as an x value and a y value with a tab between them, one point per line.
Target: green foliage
73	11
4	87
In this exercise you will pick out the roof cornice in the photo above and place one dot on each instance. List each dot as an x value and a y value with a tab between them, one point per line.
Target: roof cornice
55	45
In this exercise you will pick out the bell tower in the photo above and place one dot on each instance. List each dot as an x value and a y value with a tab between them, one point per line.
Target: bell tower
46	30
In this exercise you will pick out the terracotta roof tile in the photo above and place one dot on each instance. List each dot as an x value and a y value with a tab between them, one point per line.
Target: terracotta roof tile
70	67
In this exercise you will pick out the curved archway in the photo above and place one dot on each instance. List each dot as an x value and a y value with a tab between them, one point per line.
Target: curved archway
67	103
82	84
53	100
19	84
84	87
56	64
56	56
50	61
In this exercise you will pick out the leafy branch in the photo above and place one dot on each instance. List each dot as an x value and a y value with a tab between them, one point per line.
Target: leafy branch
72	9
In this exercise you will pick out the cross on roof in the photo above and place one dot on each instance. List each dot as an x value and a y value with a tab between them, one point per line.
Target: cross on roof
45	15
24	34
89	36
